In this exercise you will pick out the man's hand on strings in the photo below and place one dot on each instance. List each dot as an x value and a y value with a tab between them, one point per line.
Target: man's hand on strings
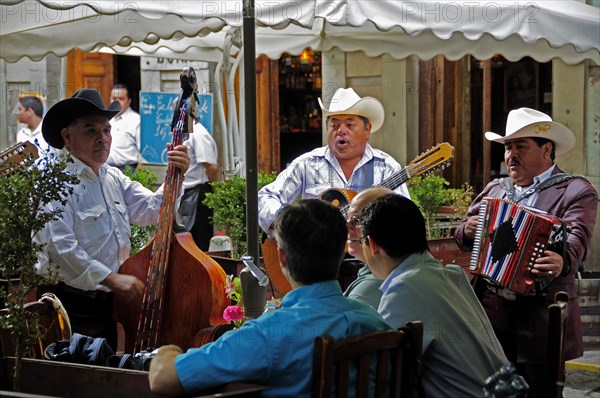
127	286
178	157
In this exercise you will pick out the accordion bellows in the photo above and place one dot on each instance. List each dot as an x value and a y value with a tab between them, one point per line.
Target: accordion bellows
508	240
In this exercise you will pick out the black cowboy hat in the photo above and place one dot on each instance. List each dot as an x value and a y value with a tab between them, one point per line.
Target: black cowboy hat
84	102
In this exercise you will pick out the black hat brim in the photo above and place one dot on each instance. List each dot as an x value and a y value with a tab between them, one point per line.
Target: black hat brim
66	111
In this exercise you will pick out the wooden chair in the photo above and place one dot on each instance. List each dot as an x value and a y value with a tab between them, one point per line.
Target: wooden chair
557	322
394	356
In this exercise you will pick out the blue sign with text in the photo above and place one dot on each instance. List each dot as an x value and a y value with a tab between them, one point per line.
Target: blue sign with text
156	113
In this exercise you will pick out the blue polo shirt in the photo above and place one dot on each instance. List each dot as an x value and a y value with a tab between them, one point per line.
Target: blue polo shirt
276	349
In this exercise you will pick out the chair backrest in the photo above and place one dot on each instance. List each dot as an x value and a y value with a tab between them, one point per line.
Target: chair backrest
557	322
394	356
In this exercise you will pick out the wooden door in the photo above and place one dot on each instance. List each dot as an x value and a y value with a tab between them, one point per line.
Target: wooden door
90	70
267	114
446	113
442	104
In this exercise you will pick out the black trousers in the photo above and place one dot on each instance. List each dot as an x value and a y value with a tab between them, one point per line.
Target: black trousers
202	230
513	324
90	311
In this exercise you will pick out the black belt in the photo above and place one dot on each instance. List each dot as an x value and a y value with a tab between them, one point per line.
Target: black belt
93	294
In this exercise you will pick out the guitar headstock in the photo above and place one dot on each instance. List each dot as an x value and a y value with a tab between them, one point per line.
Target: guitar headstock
17	156
434	159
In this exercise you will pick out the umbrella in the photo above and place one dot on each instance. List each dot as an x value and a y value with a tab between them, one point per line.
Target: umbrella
426	28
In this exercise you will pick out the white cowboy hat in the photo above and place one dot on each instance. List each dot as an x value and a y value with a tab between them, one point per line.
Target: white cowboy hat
527	122
346	102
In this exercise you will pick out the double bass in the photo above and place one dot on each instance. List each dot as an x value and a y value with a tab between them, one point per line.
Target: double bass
184	287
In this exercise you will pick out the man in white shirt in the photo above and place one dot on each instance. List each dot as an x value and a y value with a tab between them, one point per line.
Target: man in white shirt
91	238
30	111
125	149
194	215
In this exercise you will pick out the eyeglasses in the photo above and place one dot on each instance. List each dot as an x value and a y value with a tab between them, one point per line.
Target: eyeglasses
353	222
362	240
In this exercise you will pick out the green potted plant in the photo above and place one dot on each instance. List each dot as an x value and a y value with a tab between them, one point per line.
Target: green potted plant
442	208
141	235
23	196
228	202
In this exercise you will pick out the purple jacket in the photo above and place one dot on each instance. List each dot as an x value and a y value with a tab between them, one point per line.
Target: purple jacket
576	202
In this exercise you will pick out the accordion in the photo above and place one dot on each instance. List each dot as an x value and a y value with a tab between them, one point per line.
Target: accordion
508	240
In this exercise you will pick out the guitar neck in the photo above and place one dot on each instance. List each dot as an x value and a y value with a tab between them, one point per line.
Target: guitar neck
16	157
435	158
392	182
395	180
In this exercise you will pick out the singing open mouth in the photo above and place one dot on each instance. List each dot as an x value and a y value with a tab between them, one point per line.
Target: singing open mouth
342	142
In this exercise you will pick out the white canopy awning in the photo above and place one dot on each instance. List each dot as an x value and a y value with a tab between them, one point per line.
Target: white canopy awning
569	30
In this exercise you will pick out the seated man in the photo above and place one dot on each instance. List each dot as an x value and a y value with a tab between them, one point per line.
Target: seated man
276	349
460	349
366	286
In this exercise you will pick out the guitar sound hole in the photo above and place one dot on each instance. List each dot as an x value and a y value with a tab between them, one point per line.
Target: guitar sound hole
335	197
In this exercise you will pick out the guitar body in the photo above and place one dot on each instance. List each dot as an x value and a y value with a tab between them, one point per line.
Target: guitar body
273	267
436	158
338	197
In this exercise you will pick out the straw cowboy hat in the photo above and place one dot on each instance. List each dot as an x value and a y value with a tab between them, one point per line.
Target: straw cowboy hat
84	102
346	102
526	122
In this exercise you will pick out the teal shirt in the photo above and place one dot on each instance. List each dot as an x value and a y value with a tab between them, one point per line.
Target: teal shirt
366	287
276	349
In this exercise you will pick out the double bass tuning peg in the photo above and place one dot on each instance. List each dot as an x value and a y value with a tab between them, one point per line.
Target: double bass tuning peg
189	82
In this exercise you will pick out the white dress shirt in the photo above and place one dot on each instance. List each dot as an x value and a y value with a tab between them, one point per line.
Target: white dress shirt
201	149
125	131
36	137
530	199
91	238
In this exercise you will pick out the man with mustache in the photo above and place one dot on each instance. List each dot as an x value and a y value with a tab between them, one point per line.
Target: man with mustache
348	161
91	238
521	322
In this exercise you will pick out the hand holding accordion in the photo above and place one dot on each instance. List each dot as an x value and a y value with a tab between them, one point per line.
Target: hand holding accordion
509	239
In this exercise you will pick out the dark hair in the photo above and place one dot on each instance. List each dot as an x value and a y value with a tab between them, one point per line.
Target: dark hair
312	233
33	103
541	141
119	85
396	224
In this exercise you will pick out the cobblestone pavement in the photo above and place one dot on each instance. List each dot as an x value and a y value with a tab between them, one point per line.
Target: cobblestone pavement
583	376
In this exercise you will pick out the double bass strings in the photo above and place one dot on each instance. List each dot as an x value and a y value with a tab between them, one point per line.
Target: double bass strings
152	303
